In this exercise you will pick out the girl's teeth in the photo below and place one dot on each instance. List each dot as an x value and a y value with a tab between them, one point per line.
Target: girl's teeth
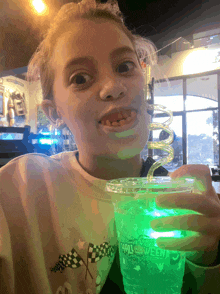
133	113
120	116
123	120
108	123
115	124
129	118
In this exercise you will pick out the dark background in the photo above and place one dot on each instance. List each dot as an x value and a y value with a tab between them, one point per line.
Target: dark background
160	20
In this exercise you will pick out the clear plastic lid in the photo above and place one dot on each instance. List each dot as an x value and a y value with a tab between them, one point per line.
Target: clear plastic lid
158	184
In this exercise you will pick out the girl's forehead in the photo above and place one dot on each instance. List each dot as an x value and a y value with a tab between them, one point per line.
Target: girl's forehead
90	37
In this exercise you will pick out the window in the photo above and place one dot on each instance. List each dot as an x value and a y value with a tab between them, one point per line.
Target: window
202	126
195	120
169	94
201	92
202	138
206	41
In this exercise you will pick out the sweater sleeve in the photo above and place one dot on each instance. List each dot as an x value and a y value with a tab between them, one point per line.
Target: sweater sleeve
201	280
6	261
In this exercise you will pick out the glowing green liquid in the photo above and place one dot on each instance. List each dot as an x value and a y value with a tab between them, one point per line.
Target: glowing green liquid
145	267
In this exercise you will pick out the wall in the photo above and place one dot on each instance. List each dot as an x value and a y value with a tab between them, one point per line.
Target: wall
187	62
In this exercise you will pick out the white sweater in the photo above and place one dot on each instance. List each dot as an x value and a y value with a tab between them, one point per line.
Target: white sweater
57	230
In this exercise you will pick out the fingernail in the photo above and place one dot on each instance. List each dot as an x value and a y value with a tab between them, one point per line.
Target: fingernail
158	225
161	245
160	200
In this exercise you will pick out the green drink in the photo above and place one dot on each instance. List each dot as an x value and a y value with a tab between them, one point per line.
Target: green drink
145	267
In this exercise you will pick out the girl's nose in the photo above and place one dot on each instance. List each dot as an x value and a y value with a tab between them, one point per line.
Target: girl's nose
113	90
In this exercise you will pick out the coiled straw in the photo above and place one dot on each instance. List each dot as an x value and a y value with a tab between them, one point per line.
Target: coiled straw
163	144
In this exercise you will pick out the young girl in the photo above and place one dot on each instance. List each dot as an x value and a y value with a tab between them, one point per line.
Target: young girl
57	229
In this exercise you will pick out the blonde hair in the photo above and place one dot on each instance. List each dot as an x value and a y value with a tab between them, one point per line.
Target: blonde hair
39	65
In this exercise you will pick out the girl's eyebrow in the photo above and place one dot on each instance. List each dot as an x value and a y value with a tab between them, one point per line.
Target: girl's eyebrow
121	50
85	59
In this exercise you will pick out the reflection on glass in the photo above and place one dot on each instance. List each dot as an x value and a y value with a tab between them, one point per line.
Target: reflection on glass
202	137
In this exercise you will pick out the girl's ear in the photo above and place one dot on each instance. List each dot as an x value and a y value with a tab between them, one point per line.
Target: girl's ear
49	109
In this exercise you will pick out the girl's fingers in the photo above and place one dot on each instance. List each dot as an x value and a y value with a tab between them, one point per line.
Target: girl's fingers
197	243
208	206
190	222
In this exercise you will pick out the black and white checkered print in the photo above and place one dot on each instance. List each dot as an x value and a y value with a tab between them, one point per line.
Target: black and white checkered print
97	252
71	259
74	260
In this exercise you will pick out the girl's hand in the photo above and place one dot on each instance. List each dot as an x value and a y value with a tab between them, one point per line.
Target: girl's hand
205	201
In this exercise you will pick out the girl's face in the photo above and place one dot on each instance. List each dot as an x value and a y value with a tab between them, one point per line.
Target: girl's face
96	71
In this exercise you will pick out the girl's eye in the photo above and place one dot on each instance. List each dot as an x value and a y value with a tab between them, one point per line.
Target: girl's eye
82	78
126	66
79	79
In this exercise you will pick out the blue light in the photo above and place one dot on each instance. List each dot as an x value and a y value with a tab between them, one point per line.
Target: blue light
46	133
7	137
47	141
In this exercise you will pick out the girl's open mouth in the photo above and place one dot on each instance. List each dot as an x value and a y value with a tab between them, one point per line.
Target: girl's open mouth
121	125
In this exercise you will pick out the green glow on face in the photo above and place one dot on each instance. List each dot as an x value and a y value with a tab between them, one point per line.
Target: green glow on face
128	153
124	134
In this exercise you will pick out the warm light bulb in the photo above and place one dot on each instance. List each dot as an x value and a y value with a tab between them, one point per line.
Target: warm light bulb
39	5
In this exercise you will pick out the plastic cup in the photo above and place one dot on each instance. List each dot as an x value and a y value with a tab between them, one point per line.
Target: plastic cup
145	267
